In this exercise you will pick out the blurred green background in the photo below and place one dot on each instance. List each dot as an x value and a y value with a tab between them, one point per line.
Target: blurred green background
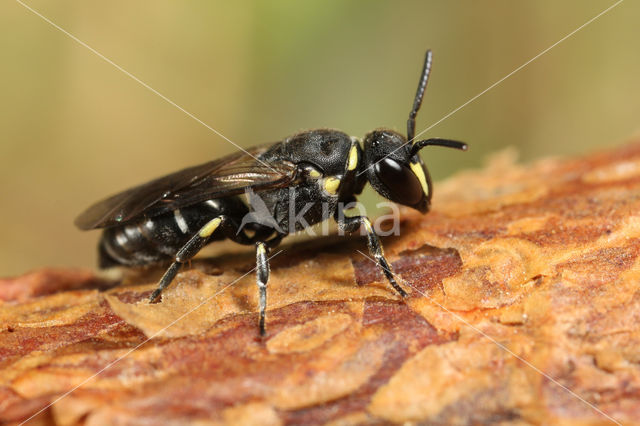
75	128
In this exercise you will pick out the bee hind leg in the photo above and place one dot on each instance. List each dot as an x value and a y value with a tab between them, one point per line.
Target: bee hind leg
188	251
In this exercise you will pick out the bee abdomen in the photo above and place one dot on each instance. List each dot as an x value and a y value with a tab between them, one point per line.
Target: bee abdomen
158	238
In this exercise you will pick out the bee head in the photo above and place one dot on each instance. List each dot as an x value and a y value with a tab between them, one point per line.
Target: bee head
396	171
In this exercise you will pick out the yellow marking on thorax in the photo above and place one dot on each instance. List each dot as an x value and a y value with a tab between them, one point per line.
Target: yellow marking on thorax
353	158
419	172
314	174
331	185
210	227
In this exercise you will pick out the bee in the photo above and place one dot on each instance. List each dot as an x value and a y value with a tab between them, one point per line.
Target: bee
313	174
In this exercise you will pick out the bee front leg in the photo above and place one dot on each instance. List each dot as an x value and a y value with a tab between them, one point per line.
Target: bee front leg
188	251
352	224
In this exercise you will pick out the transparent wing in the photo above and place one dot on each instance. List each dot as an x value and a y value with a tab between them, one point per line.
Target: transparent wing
219	178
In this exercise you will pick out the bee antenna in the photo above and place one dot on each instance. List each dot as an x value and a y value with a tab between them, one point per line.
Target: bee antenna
417	101
438	142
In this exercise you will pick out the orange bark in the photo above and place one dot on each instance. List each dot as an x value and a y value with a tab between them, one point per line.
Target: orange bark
524	307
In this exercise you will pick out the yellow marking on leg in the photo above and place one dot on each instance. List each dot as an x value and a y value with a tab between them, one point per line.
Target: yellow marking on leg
261	249
367	225
353	158
331	185
419	172
210	227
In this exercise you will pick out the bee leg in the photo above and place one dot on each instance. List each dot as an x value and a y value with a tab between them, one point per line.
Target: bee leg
262	277
166	279
190	249
352	224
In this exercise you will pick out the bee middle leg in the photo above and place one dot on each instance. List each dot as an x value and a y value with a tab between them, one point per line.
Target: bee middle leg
188	251
262	277
352	224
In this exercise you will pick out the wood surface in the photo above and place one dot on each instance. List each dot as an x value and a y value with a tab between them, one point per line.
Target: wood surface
524	308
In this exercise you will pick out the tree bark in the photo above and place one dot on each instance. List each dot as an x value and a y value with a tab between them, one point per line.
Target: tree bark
523	308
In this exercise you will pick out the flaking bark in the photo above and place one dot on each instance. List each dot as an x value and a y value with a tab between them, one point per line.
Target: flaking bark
516	269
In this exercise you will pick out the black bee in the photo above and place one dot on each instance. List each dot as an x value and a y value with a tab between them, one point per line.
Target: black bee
312	174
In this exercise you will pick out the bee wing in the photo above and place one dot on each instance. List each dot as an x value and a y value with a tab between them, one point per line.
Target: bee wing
230	175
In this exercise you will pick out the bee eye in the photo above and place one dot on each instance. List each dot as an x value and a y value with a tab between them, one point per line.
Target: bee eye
402	183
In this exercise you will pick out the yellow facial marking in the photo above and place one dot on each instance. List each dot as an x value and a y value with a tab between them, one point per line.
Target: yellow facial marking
417	170
353	158
210	227
331	185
